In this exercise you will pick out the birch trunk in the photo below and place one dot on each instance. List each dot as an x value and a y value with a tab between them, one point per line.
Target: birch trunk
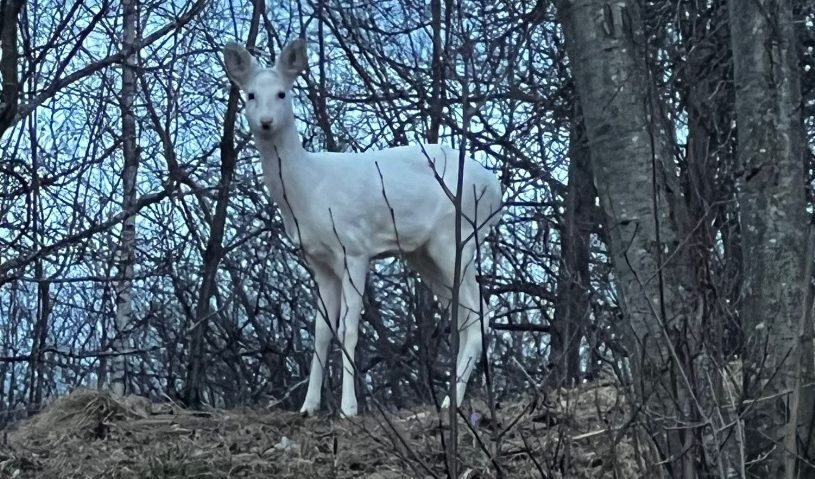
127	244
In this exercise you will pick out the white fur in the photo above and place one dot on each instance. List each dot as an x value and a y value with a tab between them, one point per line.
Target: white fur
334	207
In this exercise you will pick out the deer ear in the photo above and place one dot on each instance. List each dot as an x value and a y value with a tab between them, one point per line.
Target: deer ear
293	59
240	64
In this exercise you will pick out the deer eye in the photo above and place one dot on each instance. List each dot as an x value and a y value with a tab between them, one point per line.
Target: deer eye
281	95
251	96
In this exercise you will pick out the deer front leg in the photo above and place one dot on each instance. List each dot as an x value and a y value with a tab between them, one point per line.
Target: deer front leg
353	286
328	299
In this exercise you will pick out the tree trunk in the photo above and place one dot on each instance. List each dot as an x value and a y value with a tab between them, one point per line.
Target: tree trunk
437	64
573	282
40	328
709	197
10	86
125	258
771	196
195	380
38	340
645	220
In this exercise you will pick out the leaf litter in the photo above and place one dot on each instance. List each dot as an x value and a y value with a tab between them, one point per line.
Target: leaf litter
576	433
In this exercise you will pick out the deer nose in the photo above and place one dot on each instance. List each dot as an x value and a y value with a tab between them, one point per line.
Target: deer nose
266	123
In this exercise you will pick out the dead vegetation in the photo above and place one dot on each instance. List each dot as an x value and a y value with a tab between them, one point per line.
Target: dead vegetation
91	434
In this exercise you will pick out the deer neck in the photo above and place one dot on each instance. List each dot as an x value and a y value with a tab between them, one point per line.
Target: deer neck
286	171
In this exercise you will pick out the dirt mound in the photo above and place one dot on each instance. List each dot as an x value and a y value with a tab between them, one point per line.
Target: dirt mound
92	434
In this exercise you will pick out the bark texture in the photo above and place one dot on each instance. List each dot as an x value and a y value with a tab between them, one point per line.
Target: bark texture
645	221
771	197
127	243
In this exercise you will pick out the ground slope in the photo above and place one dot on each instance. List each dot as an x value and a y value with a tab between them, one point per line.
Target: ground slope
91	434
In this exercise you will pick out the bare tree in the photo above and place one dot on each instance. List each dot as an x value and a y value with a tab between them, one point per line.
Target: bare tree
663	280
571	315
125	258
10	9
646	224
195	379
771	196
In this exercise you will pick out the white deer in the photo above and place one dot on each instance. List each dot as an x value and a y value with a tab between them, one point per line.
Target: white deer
345	209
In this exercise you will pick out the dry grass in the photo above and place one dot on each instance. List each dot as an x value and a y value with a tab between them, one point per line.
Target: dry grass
91	434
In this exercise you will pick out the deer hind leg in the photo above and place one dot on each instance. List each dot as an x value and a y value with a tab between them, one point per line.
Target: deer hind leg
437	266
325	320
430	274
472	329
